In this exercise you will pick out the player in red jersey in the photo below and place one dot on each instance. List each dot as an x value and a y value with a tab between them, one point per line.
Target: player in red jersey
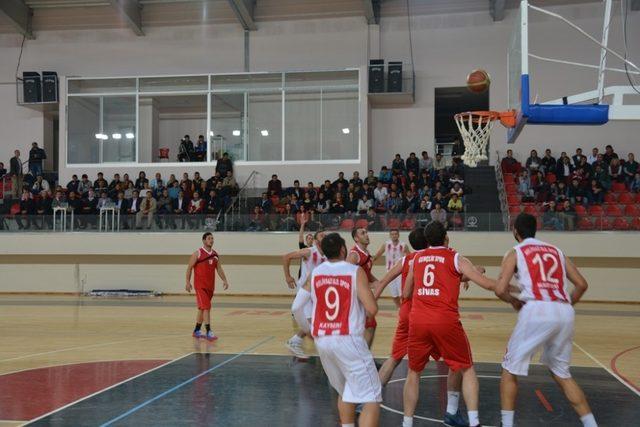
546	320
433	283
359	255
205	263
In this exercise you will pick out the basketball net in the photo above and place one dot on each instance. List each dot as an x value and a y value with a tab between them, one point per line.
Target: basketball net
475	129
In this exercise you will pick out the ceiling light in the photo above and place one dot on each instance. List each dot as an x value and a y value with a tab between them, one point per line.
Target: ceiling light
129	135
346	131
211	133
116	136
101	136
264	132
236	132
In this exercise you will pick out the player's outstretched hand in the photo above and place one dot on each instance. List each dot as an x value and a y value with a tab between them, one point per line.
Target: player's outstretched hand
225	285
188	287
291	282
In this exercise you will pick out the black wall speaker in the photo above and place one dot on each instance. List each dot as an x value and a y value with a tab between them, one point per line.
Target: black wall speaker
376	75
49	86
31	86
394	78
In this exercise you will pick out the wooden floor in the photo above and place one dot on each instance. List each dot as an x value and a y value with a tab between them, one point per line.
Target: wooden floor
44	331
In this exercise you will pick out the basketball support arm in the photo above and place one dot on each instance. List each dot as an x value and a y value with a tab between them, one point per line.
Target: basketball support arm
617	109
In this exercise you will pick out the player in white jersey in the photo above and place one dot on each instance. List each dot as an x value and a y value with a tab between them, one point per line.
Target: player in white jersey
393	250
341	300
545	319
310	258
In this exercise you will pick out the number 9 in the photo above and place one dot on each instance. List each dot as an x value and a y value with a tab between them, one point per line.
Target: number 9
334	306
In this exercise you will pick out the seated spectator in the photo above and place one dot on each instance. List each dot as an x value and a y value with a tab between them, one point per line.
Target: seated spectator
186	150
457	190
170	181
103	201
337	207
174	190
72	186
274	187
288	220
84	185
457	167
550	217
100	179
524	184
393	204
576	194
141	181
630	169
340	189
340	181
128	192
366	190
385	175
533	161
564	169
424	192
426	162
439	214
351	205
295	203
157	184
373	220
584	167
311	190
43	211
548	162
439	163
58	200
27	209
214	203
302	217
323	204
425	178
257	220
307	202
229	184
3	170
145	189
568	216
609	154
126	180
371	179
603	177
615	170
134	203
266	205
200	149
593	157
576	157
326	190
102	187
186	181
164	206
596	193
397	166
187	188
224	164
455	204
355	179
148	209
194	209
635	184
409	203
180	207
424	207
562	193
508	164
364	204
295	190
40	185
89	210
413	164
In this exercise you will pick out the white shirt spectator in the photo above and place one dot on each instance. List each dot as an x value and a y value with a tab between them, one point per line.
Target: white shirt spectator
364	206
425	163
380	194
591	159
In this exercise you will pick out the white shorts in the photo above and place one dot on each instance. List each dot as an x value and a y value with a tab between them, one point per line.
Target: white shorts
396	287
541	325
350	368
308	307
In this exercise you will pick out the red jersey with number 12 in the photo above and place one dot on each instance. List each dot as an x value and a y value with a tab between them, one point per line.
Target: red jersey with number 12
205	269
436	285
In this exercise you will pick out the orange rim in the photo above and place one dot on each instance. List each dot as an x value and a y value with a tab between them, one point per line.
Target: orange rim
507	118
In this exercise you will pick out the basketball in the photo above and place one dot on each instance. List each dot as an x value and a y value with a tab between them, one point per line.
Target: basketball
478	81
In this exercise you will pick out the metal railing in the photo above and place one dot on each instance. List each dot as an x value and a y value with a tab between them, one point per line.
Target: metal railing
502	195
237	203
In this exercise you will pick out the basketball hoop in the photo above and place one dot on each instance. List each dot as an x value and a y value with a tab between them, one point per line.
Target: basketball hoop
475	129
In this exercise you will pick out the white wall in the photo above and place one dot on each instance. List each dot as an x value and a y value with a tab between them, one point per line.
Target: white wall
446	48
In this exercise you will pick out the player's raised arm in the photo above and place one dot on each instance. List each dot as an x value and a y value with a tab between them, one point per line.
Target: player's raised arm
303	221
380	285
219	269
378	254
408	285
192	263
578	280
364	293
286	263
470	272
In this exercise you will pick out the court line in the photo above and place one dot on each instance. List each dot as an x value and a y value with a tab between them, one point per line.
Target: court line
615	369
182	384
108	388
544	401
62	350
2	374
613	374
395	411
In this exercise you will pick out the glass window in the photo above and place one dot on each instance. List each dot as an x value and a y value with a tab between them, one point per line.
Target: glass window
76	86
303	125
322	79
83	130
340	125
174	84
119	129
227	125
241	82
264	120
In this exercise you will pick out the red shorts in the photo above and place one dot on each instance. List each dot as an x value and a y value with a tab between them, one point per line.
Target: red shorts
203	298
433	340
401	338
370	323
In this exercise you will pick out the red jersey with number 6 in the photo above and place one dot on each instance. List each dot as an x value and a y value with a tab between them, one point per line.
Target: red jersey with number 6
541	272
205	269
436	285
336	307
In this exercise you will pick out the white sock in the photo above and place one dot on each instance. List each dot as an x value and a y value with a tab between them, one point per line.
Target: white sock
473	418
407	421
507	418
589	421
296	339
349	425
453	397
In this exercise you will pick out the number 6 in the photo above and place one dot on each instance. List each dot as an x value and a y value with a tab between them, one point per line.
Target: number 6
429	277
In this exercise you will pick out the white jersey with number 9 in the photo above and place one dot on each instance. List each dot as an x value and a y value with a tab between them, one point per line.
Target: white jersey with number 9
336	308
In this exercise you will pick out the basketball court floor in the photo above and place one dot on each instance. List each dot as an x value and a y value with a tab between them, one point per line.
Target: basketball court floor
90	361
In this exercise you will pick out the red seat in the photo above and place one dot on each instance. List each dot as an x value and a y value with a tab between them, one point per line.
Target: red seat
408	224
514	210
531	209
613	210
632	210
620	224
347	224
513	199
585	223
618	187
610	198
596	210
393	223
15	209
362	223
625	198
511	188
635	223
637	198
581	210
602	223
551	177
